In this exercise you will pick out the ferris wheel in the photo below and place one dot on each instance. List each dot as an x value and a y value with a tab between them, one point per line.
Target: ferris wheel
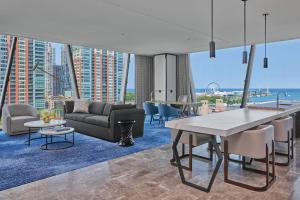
212	88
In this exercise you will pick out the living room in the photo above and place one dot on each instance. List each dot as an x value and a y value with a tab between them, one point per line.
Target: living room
114	99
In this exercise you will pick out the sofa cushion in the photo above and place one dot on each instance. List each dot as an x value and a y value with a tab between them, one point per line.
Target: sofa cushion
110	107
69	106
107	108
81	106
98	120
78	116
96	108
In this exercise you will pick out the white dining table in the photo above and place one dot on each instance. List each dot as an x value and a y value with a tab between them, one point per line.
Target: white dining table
223	124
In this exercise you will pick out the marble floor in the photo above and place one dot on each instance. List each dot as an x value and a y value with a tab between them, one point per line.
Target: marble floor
148	175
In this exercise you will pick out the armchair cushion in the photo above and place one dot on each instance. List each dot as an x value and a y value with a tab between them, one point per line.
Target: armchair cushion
17	123
21	110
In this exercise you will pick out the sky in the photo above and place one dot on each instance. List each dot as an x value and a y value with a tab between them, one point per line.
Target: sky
57	47
229	72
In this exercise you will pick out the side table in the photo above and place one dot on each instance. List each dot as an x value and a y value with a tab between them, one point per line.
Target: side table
126	132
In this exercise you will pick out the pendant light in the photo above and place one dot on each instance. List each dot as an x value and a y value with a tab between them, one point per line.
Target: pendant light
212	45
265	58
245	53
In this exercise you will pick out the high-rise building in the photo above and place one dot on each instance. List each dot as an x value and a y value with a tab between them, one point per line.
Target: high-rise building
49	68
99	73
25	85
20	82
39	57
108	73
61	82
83	64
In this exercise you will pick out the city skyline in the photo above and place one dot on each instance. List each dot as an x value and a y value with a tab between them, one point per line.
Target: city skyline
99	72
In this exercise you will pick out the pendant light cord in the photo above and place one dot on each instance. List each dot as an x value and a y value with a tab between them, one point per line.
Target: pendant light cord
212	20
265	35
245	25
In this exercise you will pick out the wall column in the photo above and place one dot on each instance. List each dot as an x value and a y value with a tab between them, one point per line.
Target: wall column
72	71
125	80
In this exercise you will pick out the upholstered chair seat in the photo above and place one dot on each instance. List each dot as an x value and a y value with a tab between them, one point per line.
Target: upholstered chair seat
192	140
15	115
255	143
283	133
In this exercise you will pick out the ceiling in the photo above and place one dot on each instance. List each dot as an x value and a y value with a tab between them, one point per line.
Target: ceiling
149	26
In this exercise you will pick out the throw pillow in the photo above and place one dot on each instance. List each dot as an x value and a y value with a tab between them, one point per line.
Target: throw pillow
81	106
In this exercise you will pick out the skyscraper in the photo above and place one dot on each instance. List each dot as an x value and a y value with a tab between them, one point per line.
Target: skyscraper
108	73
83	64
99	73
39	57
25	85
49	68
61	82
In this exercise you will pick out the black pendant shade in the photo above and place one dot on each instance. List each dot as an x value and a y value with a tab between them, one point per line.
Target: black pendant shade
212	49
245	57
212	45
265	62
245	53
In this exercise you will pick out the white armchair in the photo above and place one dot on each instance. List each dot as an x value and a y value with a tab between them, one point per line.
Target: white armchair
15	115
283	133
192	140
255	143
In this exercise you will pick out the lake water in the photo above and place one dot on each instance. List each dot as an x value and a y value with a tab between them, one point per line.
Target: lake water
287	94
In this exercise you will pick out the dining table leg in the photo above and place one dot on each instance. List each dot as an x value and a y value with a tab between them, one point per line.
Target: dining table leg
180	168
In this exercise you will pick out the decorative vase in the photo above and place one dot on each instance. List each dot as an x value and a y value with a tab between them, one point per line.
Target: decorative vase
46	116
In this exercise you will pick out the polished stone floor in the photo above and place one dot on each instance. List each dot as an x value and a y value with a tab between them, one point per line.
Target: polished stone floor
148	175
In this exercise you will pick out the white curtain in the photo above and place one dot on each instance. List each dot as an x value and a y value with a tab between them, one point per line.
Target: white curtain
185	82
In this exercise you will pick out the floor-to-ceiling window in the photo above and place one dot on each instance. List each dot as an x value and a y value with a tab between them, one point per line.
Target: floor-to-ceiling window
282	74
40	73
130	92
219	78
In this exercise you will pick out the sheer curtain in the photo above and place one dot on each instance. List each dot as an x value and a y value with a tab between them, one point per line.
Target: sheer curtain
185	82
144	79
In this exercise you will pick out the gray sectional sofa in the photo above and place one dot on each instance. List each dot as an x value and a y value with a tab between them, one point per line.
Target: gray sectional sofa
101	121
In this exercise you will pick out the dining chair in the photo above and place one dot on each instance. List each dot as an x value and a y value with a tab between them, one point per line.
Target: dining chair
165	112
151	110
184	99
192	140
243	144
283	134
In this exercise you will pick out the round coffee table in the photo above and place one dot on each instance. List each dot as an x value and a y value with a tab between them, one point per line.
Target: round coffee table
51	132
126	132
41	124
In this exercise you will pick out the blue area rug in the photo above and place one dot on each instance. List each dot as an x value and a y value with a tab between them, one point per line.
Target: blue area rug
21	164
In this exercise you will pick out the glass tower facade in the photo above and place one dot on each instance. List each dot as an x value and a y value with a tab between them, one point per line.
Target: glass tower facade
99	72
